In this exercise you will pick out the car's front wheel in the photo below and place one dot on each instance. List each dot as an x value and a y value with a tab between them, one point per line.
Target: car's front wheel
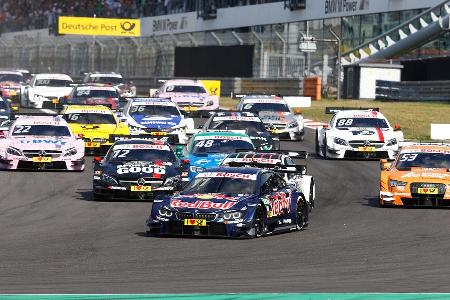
259	222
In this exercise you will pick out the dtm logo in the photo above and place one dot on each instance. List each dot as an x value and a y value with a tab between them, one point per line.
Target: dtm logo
48	142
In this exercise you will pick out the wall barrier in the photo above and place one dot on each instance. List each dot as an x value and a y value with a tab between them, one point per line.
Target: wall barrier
413	90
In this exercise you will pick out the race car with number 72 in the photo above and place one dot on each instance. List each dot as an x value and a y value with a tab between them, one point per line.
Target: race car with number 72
357	133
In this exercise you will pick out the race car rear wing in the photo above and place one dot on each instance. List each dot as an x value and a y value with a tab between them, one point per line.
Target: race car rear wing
242	95
171	139
292	154
333	110
291	169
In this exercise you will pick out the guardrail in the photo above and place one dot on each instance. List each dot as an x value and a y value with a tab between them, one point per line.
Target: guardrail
413	90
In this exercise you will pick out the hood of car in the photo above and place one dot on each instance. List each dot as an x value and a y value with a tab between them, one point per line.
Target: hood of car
139	169
50	91
367	134
277	117
208	203
157	122
207	161
422	174
93	130
42	143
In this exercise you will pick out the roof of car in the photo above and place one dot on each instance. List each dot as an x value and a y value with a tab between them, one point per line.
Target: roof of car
53	76
40	120
242	170
183	82
87	109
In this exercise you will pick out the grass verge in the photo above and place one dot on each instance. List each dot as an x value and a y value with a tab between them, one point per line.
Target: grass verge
414	117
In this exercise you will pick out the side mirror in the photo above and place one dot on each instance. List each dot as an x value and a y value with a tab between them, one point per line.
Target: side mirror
185	161
385	165
179	152
80	136
14	108
397	127
297	111
97	159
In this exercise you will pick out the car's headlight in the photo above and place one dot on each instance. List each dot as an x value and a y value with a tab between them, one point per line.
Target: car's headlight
14	151
266	146
392	142
340	141
233	215
162	211
292	124
196	169
209	103
108	179
395	183
71	151
171	181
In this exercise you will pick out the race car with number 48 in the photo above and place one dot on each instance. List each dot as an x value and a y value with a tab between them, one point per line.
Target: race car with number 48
357	133
280	120
282	162
138	169
42	143
419	176
231	202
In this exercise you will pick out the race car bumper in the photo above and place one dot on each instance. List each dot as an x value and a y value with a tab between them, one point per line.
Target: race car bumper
351	153
121	192
28	164
212	229
292	134
414	199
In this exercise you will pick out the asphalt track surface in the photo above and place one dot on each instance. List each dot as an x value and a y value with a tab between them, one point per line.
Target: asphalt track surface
55	239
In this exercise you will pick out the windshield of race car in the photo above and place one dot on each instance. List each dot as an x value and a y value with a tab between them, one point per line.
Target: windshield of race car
154	110
185	89
52	82
220	146
423	160
89	118
88	93
11	77
257	107
205	183
153	155
41	130
361	122
112	80
249	126
2	105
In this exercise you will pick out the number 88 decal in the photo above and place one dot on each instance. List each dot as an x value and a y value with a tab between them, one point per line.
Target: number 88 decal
138	169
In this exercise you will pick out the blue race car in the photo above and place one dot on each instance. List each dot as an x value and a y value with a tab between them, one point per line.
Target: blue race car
159	117
231	202
208	149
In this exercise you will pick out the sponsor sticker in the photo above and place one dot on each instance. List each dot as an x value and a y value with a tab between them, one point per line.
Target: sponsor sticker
142	146
428	191
366	149
190	108
194	222
236	118
202	204
264	101
227	175
42	159
92	144
141	188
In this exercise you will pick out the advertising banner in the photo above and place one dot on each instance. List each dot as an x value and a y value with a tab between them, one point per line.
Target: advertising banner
99	26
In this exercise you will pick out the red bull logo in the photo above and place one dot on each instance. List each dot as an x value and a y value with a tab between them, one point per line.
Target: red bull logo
202	204
281	203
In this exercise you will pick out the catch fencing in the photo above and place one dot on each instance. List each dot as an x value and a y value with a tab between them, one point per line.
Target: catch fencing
413	90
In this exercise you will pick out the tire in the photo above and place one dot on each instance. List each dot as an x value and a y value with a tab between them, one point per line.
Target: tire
324	150
317	143
301	220
260	221
312	187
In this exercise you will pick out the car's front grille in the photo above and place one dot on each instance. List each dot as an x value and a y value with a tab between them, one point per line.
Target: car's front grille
46	153
365	155
359	143
148	182
191	215
197	104
414	187
425	200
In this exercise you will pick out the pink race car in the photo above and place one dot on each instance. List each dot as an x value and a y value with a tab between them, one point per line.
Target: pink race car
42	143
189	95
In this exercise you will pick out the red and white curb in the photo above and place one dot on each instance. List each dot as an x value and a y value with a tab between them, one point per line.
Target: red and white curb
313	124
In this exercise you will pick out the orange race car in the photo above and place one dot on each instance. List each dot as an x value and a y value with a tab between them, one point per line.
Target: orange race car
419	176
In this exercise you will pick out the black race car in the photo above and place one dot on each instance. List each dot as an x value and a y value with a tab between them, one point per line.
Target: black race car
244	122
138	169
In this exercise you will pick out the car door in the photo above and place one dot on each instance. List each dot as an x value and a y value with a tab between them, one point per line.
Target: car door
277	198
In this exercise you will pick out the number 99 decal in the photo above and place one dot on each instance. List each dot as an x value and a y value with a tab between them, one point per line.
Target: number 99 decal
138	169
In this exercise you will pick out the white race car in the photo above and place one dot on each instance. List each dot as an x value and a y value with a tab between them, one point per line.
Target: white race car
126	89
358	133
44	90
280	120
282	162
159	117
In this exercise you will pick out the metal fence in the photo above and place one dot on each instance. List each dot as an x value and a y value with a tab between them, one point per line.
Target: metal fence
413	90
276	53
